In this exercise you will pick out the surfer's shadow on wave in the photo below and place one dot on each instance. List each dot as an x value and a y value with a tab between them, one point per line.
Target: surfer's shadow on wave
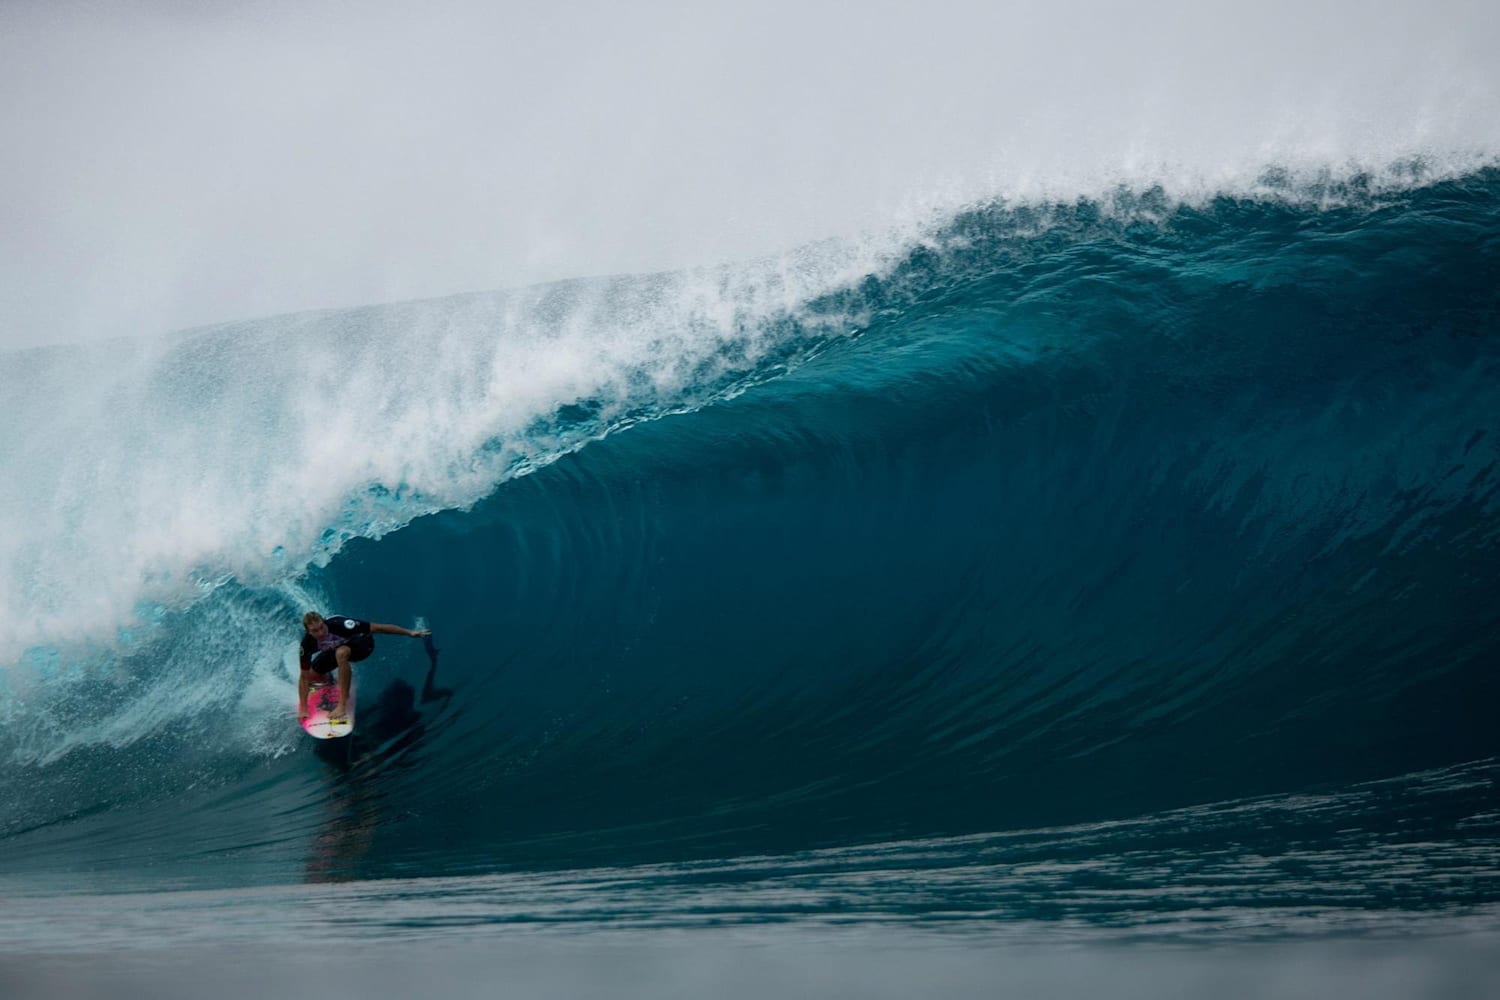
395	724
430	690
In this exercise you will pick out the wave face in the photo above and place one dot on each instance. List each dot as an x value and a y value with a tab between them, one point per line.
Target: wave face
1063	512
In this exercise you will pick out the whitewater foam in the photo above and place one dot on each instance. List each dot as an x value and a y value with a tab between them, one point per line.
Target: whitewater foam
147	474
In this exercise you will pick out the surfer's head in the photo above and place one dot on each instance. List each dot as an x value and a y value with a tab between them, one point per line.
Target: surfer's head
313	622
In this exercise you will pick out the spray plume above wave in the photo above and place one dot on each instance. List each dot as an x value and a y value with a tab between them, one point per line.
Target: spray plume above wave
166	170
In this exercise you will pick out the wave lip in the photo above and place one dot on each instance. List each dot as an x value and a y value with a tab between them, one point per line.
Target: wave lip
154	471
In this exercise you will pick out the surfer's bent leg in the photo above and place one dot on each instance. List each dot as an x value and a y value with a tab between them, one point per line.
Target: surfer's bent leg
345	675
356	649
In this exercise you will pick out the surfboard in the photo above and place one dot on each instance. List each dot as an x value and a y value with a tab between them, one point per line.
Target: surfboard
321	700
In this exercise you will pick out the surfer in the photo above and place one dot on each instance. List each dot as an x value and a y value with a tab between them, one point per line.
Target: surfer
334	643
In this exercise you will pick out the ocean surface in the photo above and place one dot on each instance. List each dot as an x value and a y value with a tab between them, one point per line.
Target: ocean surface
1059	597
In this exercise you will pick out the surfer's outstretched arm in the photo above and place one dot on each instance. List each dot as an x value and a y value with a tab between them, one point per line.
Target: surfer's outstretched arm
411	633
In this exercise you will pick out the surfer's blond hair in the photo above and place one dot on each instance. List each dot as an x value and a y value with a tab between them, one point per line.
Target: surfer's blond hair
310	619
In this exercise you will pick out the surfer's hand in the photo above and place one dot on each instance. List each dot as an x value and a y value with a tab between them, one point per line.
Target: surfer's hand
417	633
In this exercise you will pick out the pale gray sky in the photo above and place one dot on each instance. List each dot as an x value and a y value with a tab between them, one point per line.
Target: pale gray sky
166	164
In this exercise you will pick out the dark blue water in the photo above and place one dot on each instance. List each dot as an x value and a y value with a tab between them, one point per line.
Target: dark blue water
1087	525
1076	516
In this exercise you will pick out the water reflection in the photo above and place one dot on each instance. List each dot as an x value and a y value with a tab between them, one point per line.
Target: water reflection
386	732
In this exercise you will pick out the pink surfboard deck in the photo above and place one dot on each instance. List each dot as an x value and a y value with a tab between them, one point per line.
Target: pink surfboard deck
320	701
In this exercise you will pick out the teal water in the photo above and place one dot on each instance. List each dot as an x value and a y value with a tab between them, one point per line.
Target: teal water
1098	573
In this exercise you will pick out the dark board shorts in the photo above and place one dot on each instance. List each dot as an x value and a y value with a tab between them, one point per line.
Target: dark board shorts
360	647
